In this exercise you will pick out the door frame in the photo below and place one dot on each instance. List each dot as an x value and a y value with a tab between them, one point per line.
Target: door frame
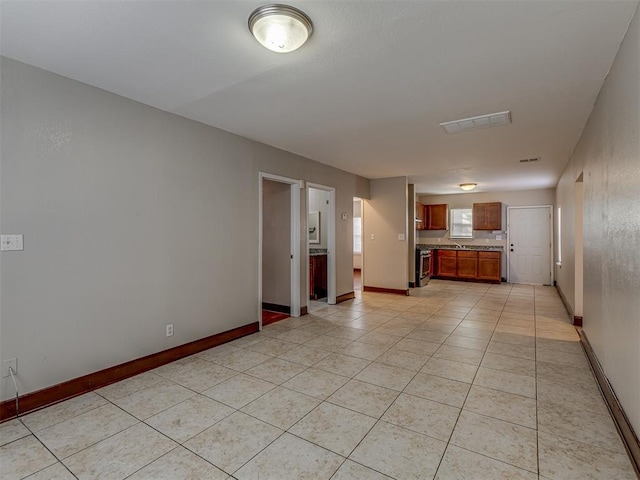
331	242
295	241
551	262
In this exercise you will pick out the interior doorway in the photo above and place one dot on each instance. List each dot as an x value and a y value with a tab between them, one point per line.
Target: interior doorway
321	243
358	259
578	242
279	246
529	241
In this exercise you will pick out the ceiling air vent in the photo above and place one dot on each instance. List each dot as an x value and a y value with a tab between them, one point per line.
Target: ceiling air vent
527	160
473	123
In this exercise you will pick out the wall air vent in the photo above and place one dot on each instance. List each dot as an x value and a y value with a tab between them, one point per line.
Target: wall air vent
473	123
527	160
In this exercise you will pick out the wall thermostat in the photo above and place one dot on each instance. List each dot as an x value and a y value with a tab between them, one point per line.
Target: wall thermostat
344	216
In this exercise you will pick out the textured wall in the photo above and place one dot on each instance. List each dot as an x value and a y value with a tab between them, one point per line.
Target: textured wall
385	216
608	155
133	218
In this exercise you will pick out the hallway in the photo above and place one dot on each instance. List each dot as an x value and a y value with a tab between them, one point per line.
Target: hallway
457	381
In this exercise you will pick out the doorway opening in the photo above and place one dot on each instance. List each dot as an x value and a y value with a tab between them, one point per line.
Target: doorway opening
579	255
530	241
279	248
321	269
357	245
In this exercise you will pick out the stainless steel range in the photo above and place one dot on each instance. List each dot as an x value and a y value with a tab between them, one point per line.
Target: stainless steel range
423	267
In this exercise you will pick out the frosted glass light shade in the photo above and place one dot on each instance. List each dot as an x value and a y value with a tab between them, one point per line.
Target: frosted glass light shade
468	186
280	28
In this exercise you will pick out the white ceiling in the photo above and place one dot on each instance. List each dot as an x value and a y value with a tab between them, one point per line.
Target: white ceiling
367	93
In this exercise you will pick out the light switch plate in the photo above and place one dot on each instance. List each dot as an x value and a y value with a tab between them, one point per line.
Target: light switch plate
401	237
498	237
345	216
12	242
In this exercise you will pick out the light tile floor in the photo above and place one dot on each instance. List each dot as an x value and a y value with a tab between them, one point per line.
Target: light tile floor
457	381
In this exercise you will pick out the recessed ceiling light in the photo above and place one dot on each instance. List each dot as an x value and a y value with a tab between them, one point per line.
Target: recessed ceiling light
473	123
280	28
468	186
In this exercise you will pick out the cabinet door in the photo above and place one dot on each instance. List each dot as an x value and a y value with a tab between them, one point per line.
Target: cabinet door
437	217
447	263
489	266
493	216
468	265
420	215
487	216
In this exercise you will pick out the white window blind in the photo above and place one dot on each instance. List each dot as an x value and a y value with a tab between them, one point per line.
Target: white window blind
461	223
357	234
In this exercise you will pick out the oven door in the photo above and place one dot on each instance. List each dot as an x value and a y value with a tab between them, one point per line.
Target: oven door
423	267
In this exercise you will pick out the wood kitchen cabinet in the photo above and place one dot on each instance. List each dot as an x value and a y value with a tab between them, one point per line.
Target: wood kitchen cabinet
447	264
489	266
474	265
468	264
317	276
421	223
487	216
437	216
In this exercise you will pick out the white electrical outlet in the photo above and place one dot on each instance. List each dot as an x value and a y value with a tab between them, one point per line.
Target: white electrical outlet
11	242
9	363
170	330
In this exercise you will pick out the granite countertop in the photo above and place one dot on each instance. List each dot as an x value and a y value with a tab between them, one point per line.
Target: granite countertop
317	251
444	246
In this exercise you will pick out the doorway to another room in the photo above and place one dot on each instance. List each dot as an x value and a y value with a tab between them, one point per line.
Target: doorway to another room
357	245
279	249
321	246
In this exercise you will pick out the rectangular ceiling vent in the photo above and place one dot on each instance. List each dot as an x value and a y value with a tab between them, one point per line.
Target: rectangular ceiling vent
527	160
473	123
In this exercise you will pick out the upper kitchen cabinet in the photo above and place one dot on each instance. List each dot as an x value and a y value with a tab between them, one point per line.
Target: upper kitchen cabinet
437	217
421	223
487	216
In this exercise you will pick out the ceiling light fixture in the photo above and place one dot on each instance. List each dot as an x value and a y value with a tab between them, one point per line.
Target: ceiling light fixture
468	186
280	28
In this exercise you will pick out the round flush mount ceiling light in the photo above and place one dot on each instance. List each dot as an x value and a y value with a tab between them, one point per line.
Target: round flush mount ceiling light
280	28
468	186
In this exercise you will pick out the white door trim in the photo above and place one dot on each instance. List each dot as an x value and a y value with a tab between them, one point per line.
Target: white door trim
295	241
331	242
551	263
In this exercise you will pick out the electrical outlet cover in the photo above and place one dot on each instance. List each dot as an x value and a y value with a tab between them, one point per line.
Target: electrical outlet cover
11	362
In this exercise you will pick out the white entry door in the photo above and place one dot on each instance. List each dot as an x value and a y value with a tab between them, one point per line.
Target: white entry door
529	245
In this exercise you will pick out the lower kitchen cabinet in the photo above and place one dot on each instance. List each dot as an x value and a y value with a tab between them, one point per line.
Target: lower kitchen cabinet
489	266
317	276
447	264
468	265
483	266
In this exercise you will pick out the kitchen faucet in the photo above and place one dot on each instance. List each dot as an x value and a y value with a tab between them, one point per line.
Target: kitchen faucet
456	244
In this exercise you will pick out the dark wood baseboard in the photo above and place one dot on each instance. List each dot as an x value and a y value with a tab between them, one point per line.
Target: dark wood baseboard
629	437
395	291
344	297
274	307
304	310
412	284
359	270
577	320
87	383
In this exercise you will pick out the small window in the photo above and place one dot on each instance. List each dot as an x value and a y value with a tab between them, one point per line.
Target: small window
461	223
357	234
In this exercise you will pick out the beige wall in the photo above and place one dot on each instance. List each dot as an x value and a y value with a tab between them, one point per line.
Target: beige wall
385	216
608	156
276	243
133	218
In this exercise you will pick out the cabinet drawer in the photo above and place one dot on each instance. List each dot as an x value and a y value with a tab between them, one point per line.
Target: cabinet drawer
447	253
467	254
484	255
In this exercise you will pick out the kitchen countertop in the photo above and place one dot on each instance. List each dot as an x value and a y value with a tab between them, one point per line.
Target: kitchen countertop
444	246
317	251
